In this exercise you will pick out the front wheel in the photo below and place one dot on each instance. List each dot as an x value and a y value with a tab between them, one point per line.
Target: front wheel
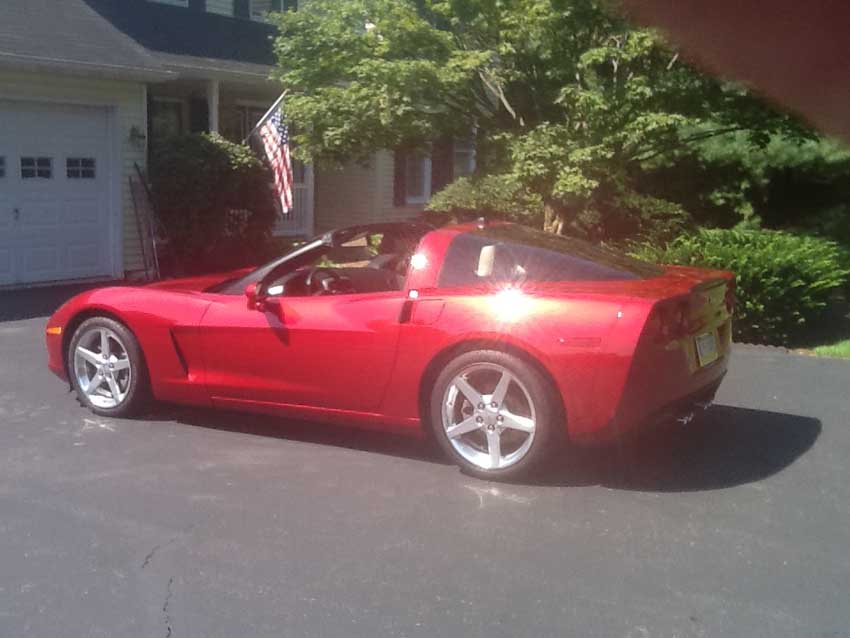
495	414
107	369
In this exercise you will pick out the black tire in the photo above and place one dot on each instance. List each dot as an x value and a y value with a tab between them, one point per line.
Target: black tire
137	390
549	429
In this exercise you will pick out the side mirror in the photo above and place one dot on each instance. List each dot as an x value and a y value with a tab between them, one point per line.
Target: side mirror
256	301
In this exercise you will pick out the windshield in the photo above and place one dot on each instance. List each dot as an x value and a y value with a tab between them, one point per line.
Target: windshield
379	247
296	257
511	252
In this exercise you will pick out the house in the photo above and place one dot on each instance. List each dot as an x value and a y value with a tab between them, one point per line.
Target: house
86	86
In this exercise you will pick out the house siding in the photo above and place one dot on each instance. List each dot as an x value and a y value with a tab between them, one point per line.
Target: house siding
385	170
357	195
128	101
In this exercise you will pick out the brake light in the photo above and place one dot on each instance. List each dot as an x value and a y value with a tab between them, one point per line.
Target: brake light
730	299
670	320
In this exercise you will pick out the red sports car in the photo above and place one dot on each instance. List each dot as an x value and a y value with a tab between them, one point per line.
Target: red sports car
503	342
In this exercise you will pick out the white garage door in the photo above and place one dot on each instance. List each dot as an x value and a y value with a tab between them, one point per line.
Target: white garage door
55	218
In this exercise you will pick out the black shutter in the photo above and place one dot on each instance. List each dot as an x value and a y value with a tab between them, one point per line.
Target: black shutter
399	178
289	5
442	164
242	9
198	5
277	5
199	115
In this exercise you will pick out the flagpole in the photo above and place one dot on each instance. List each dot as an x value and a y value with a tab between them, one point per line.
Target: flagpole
267	115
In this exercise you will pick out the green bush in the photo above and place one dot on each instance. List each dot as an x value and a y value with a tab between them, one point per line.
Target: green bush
784	281
214	201
494	196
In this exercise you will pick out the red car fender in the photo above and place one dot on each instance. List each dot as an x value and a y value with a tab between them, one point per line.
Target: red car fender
165	324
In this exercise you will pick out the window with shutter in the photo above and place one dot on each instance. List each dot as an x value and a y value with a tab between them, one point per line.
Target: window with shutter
260	9
463	157
418	176
417	179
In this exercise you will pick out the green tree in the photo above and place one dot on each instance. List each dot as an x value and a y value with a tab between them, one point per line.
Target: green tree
571	106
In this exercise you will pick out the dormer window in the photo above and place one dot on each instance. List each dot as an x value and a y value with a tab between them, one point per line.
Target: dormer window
260	9
221	7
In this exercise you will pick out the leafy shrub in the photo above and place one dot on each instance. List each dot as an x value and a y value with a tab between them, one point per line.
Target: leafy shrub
498	196
784	281
213	199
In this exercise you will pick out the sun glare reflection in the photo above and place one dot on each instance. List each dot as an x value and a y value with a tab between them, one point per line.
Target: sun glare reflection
418	261
510	305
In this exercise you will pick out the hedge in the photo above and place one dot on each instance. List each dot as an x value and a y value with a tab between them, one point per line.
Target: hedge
784	281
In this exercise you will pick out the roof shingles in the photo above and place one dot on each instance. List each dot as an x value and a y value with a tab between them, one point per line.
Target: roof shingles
133	37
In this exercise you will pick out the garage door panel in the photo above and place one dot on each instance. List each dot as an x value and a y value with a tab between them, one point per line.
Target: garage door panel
84	256
6	216
84	212
65	221
40	261
44	216
6	272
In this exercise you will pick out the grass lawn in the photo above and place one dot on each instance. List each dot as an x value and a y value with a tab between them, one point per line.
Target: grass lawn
840	349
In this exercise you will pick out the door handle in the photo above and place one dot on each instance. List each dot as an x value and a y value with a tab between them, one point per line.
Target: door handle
16	214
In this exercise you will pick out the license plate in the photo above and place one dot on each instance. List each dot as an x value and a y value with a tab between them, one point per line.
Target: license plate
707	348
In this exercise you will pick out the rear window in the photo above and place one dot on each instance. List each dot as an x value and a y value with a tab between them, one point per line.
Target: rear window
509	252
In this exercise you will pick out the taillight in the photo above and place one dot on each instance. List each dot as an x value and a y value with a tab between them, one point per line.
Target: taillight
730	299
670	320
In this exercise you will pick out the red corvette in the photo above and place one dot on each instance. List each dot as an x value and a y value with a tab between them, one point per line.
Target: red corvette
501	341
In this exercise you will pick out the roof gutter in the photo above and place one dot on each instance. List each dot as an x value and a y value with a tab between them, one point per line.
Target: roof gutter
18	62
201	72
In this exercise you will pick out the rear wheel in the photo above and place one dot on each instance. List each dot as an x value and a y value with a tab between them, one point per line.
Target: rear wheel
495	414
107	369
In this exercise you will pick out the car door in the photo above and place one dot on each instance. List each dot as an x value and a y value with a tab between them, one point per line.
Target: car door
334	351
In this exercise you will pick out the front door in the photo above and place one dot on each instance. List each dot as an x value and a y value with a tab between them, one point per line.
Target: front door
334	351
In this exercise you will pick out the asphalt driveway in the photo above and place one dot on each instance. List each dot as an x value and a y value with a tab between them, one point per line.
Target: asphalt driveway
191	523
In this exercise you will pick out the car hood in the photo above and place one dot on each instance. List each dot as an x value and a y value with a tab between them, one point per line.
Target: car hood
200	282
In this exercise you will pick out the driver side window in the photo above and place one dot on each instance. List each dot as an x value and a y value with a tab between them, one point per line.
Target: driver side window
366	263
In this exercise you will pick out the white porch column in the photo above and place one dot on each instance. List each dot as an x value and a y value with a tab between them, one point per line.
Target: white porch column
213	98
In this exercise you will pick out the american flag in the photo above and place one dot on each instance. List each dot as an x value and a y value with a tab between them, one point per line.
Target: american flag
274	134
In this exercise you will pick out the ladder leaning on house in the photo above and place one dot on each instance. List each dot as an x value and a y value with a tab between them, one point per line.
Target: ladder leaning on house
149	231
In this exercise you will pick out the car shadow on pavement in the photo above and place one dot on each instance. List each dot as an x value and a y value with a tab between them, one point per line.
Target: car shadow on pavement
726	446
374	441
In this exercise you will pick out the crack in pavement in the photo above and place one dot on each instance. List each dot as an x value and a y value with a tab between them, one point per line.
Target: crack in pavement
169	592
171	541
150	556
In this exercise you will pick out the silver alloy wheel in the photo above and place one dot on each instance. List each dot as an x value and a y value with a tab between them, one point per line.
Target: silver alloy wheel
102	367
488	416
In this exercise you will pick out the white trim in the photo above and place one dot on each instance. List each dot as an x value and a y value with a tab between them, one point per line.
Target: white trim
188	71
116	199
20	62
146	120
